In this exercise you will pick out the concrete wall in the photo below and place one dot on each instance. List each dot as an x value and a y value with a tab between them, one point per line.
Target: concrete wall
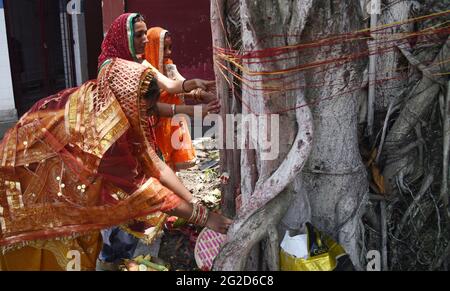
8	113
80	48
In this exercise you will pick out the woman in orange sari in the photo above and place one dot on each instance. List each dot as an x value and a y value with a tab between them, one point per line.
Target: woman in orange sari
180	154
57	179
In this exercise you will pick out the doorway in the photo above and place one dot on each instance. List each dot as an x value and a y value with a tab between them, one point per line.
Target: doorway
35	44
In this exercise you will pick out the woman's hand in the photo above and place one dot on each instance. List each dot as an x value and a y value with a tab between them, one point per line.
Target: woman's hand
207	97
208	86
218	222
211	107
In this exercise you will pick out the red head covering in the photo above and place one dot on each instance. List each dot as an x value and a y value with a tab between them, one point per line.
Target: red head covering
119	40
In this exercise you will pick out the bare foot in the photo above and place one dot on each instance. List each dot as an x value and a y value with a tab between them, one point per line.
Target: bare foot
218	222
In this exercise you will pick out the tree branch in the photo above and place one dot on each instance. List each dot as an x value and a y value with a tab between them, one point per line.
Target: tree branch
405	48
266	206
444	195
416	106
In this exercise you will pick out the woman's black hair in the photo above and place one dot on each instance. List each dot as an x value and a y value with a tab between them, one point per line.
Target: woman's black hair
138	18
151	95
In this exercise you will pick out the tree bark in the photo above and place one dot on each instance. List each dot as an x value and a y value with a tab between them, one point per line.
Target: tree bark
334	177
333	186
229	154
389	61
262	209
418	104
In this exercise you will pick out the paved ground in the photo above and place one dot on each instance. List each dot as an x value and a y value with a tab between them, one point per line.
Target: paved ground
4	127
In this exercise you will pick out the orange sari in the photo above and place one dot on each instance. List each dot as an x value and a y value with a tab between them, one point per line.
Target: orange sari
53	187
180	155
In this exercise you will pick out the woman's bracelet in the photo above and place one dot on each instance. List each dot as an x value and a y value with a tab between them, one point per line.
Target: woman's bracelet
182	87
199	214
174	109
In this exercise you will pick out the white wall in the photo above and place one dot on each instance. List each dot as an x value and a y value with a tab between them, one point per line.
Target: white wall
80	48
6	88
8	112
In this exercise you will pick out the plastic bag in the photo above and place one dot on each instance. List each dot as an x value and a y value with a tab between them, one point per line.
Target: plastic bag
313	251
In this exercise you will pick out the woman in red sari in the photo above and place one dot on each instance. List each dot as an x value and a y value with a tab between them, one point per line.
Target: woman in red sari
127	39
83	160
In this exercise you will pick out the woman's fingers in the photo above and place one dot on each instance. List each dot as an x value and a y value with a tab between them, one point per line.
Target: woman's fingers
214	110
209	97
227	224
211	83
218	222
212	107
199	83
214	103
210	86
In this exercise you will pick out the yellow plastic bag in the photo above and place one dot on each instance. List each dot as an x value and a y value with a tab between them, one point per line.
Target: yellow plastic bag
311	252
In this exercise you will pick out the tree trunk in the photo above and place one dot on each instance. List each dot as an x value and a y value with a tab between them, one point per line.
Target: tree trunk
330	191
229	156
335	178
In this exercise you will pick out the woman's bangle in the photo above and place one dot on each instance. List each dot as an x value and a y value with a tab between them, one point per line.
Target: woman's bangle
199	214
173	109
182	87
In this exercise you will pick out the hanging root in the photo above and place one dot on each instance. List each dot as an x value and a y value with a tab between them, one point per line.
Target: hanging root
261	213
446	135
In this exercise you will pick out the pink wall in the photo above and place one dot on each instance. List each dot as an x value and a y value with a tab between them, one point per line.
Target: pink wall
188	22
111	9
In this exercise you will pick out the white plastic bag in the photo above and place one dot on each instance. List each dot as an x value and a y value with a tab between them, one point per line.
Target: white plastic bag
296	246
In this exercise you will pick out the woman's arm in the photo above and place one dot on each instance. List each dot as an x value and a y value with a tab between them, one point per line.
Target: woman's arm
179	86
196	94
215	221
201	95
175	87
167	110
171	181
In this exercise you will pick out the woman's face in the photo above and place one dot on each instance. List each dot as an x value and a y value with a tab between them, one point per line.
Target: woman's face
167	47
140	37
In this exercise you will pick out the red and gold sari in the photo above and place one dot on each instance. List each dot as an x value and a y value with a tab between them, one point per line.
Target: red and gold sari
182	155
57	182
